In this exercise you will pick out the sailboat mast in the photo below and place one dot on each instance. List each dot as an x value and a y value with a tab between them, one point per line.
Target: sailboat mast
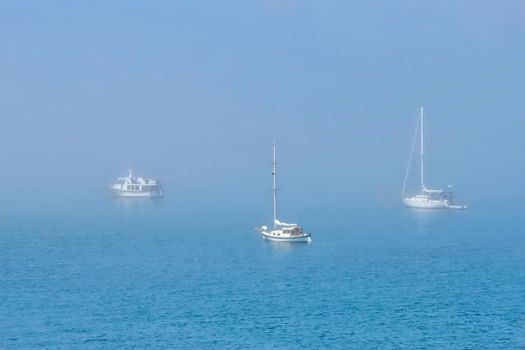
274	187
422	149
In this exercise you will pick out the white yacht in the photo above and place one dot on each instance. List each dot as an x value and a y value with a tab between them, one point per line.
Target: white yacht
427	198
137	187
281	231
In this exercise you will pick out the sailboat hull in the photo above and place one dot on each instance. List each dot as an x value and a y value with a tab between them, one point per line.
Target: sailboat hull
419	203
306	238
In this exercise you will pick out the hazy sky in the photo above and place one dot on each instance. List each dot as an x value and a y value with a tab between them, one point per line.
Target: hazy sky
194	93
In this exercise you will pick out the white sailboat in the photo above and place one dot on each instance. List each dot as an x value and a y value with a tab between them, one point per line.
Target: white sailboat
281	231
427	198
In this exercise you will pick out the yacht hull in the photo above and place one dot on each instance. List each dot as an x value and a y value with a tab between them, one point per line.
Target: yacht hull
306	238
425	204
137	194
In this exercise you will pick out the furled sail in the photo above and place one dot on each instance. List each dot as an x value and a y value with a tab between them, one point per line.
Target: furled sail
278	223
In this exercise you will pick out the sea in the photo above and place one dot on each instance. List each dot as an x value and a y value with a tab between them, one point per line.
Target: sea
156	274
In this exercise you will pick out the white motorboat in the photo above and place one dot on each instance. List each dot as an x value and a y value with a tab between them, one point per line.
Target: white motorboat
427	198
136	187
281	231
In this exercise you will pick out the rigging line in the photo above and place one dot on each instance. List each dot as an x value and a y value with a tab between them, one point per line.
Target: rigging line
410	158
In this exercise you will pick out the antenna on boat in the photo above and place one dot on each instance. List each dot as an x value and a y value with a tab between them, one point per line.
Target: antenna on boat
422	148
274	187
130	173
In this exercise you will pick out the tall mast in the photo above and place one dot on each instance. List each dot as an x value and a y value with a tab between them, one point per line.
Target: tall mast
414	143
274	187
422	148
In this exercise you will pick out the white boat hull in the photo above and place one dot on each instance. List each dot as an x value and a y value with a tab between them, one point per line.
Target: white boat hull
138	194
305	238
425	204
430	204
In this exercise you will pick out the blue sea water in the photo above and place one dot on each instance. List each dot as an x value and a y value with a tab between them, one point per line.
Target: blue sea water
151	275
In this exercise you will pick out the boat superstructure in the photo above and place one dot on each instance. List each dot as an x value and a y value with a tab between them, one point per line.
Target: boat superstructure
427	198
137	187
281	231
